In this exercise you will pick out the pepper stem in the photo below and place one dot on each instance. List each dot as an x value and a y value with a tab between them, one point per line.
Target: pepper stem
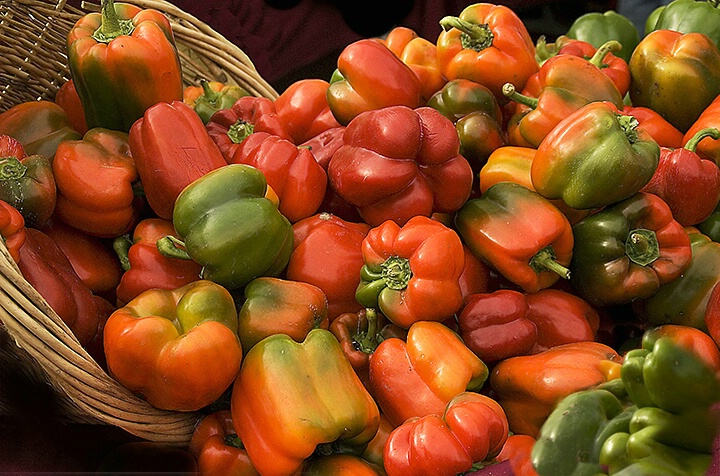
209	94
691	144
611	46
473	37
396	272
629	125
168	246
544	260
122	245
232	439
511	93
112	26
240	131
367	340
11	168
642	246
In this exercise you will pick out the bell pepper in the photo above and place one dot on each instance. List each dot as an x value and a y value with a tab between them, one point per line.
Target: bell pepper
476	276
92	259
67	98
707	148
217	448
260	240
324	145
519	233
573	435
516	451
292	172
599	27
711	225
689	16
397	163
39	126
292	399
627	251
48	270
280	306
375	449
26	182
327	252
506	323
212	97
303	109
472	428
95	179
528	387
368	77
688	184
488	44
123	60
420	376
339	465
12	229
676	75
712	314
178	348
171	148
662	132
412	273
684	300
594	157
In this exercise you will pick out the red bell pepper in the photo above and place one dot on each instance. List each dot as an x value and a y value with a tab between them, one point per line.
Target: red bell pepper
397	163
472	428
475	277
171	148
12	229
368	77
67	98
664	133
518	450
712	314
217	448
707	148
292	172
95	178
303	109
688	184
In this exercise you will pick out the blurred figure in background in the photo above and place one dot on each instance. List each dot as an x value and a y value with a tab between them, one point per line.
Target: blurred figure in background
638	10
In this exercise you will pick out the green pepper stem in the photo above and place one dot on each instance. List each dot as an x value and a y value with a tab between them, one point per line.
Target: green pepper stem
168	246
511	93
691	144
240	131
232	439
367	340
112	26
11	168
209	94
642	246
544	260
396	272
629	125
611	46
122	245
473	37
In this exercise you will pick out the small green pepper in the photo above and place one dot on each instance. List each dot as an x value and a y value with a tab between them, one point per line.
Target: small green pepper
597	28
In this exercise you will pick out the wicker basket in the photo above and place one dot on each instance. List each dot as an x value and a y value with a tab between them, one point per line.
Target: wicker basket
33	66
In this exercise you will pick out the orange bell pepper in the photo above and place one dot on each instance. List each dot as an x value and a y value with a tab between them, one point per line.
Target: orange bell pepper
341	465
217	448
67	98
518	450
303	109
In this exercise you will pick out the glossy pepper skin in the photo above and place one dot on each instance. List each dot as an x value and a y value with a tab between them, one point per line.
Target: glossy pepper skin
516	451
12	229
27	182
95	177
506	323
303	109
177	348
707	148
144	266
689	16
39	126
211	97
341	464
419	376
217	448
675	74
519	233
412	273
260	241
594	157
67	98
597	28
628	250
292	397
369	76
123	61
662	132
399	162
488	44
472	428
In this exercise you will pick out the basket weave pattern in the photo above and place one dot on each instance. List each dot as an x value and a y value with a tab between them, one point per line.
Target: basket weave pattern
33	65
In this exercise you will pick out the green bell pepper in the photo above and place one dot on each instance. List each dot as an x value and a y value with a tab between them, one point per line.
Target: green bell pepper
711	225
230	227
212	100
598	28
690	16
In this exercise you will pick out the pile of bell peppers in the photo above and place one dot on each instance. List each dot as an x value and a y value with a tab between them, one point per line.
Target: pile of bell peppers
481	253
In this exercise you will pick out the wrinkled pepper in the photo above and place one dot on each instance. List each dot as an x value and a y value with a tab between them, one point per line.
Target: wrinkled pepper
519	233
303	109
12	229
628	250
123	60
599	27
397	163
594	157
412	273
472	428
293	399
95	179
176	348
171	149
27	182
217	448
420	376
211	97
